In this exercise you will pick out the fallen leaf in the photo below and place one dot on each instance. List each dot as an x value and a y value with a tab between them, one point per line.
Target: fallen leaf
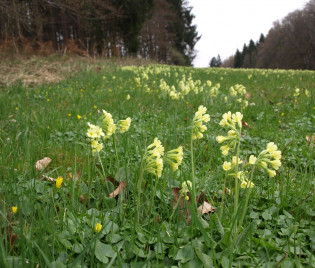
310	140
43	163
82	198
206	208
46	178
227	191
120	187
245	124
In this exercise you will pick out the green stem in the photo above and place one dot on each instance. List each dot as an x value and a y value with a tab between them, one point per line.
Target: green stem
175	208
103	171
223	199
139	189
236	196
193	192
153	196
115	145
247	198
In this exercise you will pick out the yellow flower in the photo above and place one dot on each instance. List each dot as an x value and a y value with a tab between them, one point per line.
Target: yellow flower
225	149
227	165
307	93
234	160
95	107
98	227
59	181
79	116
174	157
276	164
247	184
271	173
128	97
69	115
252	160
185	188
14	210
221	139
124	125
271	147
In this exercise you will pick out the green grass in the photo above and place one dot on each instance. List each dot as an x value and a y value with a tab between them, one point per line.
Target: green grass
55	227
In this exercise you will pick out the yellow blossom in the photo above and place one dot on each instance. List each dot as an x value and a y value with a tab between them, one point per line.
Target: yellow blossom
59	181
98	227
124	125
252	160
221	139
227	166
14	209
271	173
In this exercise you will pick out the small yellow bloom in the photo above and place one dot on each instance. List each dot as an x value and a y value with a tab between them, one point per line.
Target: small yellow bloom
69	115
252	160
59	181
271	173
48	100
282	114
128	97
14	209
98	227
221	139
79	116
95	107
227	165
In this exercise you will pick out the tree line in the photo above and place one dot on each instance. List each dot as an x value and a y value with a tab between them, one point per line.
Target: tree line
153	29
289	44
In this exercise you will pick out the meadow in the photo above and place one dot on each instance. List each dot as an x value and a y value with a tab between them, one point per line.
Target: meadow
159	166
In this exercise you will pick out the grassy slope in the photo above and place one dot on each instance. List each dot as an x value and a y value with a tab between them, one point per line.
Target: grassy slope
51	224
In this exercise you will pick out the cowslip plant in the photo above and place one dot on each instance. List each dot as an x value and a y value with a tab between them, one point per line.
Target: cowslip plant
197	129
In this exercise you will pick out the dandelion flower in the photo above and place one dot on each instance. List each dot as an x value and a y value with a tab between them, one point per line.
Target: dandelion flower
98	227
59	181
14	209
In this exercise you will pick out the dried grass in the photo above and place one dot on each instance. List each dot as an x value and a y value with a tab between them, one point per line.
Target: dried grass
37	70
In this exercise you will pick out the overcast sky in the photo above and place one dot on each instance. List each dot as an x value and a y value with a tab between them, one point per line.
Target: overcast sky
225	25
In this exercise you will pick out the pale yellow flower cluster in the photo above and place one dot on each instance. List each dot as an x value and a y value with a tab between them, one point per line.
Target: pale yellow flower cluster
271	155
174	157
214	91
153	159
239	91
95	133
230	167
106	129
200	118
234	123
124	125
108	124
186	185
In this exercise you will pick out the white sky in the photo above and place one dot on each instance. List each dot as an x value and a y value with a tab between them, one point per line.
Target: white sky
225	25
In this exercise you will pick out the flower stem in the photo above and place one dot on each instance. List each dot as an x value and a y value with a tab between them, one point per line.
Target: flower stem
153	196
175	208
249	190
193	192
115	145
139	189
236	195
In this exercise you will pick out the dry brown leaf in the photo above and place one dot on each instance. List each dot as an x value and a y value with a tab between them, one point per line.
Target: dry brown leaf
245	124
42	164
46	178
310	140
206	208
120	187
